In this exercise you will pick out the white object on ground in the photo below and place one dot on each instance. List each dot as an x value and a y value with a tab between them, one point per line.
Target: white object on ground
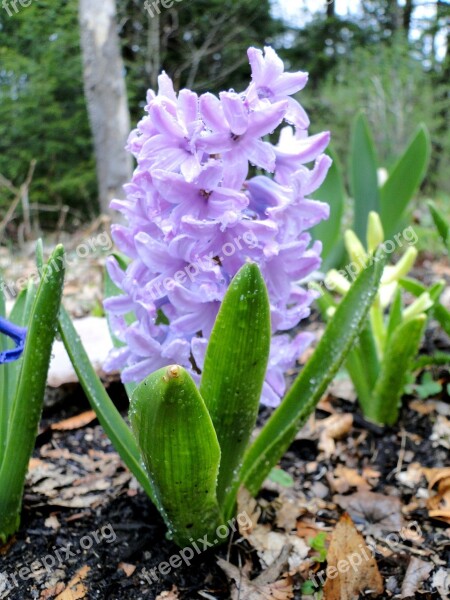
96	339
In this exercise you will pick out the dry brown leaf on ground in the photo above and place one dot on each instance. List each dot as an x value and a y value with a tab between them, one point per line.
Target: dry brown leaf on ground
342	479
441	583
77	422
249	506
271	584
417	572
51	592
439	505
268	543
288	510
380	514
127	568
331	429
441	432
307	529
412	476
74	480
173	594
75	590
52	523
351	568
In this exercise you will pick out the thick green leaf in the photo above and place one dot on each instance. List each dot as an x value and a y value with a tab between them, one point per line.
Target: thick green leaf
329	232
176	436
442	225
364	176
404	180
111	420
235	367
305	393
397	363
29	394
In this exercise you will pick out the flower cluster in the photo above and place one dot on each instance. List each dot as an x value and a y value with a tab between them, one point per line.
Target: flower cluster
191	202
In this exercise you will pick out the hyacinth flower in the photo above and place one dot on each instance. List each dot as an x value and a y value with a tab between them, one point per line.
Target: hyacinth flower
206	288
195	217
382	362
23	374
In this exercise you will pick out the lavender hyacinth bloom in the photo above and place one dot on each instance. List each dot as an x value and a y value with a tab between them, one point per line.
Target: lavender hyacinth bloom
194	217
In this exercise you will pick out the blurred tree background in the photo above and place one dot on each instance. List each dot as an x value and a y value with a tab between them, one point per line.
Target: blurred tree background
389	58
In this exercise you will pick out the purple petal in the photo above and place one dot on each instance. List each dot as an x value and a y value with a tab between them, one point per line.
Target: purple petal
235	112
267	119
211	111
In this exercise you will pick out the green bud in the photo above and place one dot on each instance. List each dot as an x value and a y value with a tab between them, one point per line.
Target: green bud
419	306
375	232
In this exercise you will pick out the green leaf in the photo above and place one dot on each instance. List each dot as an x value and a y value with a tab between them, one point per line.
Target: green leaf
368	348
438	311
331	191
308	588
339	337
281	477
404	180
395	314
110	419
176	436
442	225
427	387
29	394
235	367
364	176
397	363
428	360
20	315
319	544
356	368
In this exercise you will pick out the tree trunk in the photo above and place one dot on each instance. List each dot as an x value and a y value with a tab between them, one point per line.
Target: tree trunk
407	16
331	9
106	97
393	14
